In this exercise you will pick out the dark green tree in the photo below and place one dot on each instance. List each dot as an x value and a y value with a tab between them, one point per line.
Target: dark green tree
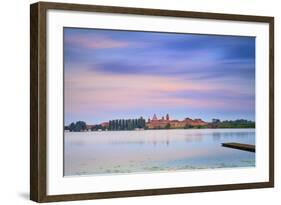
168	126
80	126
110	125
72	127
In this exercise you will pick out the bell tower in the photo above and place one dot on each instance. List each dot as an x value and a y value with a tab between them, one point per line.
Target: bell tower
167	117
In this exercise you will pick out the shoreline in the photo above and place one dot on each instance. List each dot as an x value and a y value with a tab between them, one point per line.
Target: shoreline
219	128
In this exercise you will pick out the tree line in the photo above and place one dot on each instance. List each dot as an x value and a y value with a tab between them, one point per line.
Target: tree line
240	123
127	124
77	127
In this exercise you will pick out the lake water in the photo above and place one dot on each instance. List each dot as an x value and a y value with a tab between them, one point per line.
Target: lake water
111	152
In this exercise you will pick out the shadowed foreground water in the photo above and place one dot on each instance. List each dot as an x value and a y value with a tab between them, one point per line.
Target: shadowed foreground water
111	152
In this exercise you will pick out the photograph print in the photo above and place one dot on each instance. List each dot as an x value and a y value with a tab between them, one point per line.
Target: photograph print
147	102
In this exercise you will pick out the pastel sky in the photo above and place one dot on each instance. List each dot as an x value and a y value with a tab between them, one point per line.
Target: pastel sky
110	74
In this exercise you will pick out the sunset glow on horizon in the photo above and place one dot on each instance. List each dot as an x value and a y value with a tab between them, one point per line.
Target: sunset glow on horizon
112	74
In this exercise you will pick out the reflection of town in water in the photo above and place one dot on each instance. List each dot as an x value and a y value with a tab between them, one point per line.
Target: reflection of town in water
155	150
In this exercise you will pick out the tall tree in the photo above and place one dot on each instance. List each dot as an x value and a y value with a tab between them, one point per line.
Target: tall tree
72	127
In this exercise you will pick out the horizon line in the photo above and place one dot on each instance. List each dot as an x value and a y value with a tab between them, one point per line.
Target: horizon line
146	119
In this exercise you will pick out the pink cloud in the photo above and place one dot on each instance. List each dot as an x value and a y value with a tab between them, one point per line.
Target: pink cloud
93	93
97	42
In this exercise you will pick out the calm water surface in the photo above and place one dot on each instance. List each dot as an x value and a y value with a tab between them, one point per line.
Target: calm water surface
112	152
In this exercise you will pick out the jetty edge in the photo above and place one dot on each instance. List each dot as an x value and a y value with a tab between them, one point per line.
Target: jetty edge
240	146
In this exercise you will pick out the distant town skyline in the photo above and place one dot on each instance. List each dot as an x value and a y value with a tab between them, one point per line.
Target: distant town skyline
123	74
156	117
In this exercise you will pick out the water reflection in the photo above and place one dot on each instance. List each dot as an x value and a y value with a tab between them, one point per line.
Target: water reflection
226	135
165	150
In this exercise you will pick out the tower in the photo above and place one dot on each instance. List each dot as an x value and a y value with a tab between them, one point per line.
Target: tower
154	117
167	117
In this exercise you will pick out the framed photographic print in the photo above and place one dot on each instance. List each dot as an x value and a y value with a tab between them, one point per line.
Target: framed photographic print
135	102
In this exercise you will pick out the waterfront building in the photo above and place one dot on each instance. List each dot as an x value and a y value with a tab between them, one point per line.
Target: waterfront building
158	124
162	123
